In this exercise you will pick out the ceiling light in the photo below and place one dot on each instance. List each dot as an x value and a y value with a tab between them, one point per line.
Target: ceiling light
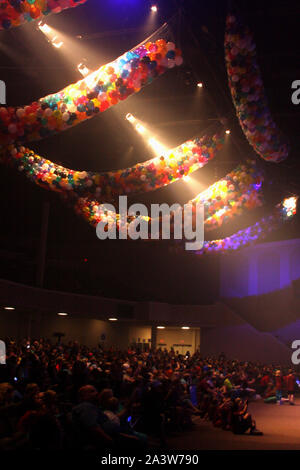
83	69
62	314
129	117
186	178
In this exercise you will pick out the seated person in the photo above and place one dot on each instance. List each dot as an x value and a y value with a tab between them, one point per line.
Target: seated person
242	420
90	420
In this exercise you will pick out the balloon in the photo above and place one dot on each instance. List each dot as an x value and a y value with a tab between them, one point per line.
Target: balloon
17	12
248	93
143	177
280	214
95	93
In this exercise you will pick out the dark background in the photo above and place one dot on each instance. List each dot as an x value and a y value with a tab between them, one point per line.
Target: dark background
174	108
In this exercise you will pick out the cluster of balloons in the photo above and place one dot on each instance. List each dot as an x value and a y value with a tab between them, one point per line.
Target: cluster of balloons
94	94
93	212
281	213
104	186
116	81
228	197
16	12
248	93
223	200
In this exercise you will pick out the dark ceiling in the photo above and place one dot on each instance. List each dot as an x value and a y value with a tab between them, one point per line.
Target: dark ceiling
173	107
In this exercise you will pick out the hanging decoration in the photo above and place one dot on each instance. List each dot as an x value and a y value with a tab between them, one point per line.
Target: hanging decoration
248	93
282	213
93	94
104	186
16	12
230	196
239	190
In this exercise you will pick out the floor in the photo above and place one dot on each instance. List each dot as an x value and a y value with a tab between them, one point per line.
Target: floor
280	425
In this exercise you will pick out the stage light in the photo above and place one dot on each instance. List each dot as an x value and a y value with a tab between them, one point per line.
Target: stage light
44	27
56	43
186	179
185	327
290	205
140	128
63	314
160	327
130	118
113	319
90	79
83	69
154	8
220	212
9	308
227	132
200	85
159	148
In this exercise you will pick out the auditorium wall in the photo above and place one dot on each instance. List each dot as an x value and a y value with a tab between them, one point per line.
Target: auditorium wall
259	282
245	343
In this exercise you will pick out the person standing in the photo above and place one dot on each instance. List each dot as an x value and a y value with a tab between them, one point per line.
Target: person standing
290	382
278	386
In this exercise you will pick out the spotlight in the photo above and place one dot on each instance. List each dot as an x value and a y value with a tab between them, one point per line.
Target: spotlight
159	148
160	327
154	8
56	43
220	212
63	314
186	178
9	308
140	128
185	327
290	205
130	118
90	79
83	69
44	27
227	132
200	85
113	319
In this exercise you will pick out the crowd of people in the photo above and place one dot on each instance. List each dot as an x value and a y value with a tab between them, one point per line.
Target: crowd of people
67	396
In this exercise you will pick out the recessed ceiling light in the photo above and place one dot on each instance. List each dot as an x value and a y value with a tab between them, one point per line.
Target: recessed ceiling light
160	327
9	308
113	319
185	327
62	314
200	85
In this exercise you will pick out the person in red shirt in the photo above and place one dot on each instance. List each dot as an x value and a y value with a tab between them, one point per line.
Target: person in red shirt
278	387
264	382
290	383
